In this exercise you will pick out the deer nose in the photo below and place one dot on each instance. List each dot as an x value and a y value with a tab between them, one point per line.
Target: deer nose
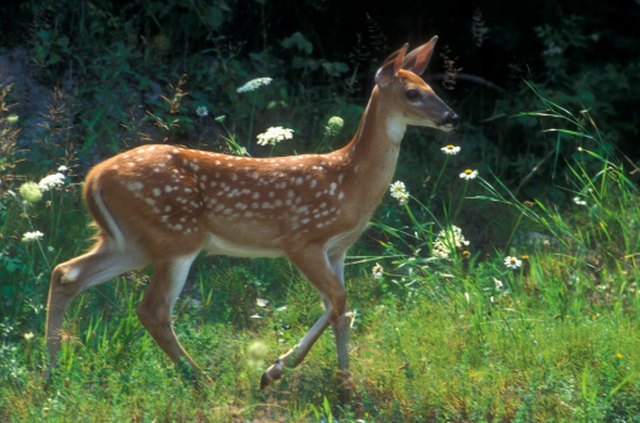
450	120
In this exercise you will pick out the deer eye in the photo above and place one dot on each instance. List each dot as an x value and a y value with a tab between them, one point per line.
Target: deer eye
412	94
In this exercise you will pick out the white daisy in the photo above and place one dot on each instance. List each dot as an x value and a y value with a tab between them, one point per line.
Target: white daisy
512	262
377	271
469	174
202	111
451	150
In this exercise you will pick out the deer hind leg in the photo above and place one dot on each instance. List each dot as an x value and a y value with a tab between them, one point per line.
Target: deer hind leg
70	278
169	277
314	264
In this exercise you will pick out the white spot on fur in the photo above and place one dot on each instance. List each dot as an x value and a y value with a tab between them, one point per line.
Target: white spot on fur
135	186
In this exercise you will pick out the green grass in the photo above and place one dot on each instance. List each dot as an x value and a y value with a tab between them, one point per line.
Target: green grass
413	360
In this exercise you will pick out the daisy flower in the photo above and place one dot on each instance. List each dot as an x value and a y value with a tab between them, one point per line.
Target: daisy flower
451	149
469	174
512	262
202	111
377	271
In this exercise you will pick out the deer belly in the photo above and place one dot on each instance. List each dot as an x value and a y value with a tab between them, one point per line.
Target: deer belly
222	246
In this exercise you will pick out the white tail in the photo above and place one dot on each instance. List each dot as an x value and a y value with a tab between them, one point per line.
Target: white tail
163	205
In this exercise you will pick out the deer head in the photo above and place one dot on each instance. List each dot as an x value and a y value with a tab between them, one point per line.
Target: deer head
399	79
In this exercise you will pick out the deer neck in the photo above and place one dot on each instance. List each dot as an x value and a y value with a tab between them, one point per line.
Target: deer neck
372	154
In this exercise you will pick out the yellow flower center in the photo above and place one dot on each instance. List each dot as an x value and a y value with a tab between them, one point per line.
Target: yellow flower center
468	172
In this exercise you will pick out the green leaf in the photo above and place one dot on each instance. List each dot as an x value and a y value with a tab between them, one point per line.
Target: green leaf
298	41
335	68
63	41
215	17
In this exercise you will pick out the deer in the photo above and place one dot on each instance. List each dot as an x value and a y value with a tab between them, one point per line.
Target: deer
163	205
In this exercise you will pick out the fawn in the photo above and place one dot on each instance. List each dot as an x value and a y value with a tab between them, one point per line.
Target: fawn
163	205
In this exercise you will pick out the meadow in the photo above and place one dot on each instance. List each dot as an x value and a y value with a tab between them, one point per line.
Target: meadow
497	282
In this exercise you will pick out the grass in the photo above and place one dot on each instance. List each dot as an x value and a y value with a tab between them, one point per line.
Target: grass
418	360
459	337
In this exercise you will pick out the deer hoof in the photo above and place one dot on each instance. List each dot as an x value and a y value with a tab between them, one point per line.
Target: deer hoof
273	373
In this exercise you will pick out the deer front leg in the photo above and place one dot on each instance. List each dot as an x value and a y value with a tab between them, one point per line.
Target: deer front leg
342	329
313	263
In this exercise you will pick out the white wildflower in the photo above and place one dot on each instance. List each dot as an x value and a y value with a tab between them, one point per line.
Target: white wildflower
469	174
62	168
54	180
220	118
32	236
377	271
451	150
512	262
447	241
399	192
261	302
202	111
274	135
254	84
28	336
579	201
498	283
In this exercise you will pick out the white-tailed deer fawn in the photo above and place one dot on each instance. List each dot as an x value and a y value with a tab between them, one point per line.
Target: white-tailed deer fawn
163	205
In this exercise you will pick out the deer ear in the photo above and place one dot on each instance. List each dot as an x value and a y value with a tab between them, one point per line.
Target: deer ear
391	66
418	59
